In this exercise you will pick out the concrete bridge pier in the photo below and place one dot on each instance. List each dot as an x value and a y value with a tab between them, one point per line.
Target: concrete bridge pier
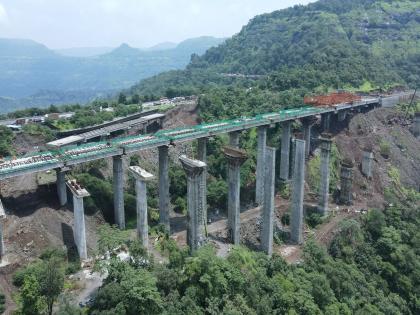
118	183
307	123
296	221
202	156
79	230
346	180
367	161
341	116
61	186
268	205
164	187
2	248
236	158
325	122
416	125
285	151
262	144
325	173
196	226
142	177
234	139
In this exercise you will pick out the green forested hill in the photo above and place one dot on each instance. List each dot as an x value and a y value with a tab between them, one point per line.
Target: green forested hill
324	45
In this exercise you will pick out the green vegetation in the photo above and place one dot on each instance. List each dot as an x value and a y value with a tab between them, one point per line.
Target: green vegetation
38	130
384	148
360	273
6	138
40	283
2	302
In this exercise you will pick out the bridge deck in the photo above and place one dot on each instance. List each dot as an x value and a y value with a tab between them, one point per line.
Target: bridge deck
93	151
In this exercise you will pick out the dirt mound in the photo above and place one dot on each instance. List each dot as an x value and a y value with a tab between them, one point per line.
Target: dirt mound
384	130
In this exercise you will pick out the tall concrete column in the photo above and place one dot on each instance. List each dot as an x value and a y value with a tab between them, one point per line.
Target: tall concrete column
2	219
307	123
118	173
341	116
367	162
2	248
292	157
268	206
61	186
202	156
325	173
262	144
236	158
141	177
196	234
285	151
79	229
325	122
297	193
346	179
164	187
416	125
234	139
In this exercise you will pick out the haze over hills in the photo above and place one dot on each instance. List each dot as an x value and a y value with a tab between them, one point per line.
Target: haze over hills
324	45
31	74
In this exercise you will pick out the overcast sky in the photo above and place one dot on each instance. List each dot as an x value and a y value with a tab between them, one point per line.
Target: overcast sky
140	23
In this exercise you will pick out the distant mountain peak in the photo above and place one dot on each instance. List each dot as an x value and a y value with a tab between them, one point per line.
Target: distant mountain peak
125	50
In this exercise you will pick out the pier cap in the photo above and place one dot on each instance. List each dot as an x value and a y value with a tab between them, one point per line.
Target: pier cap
141	174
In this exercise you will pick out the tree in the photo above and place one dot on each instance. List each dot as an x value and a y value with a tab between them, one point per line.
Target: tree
122	99
31	299
51	281
135	99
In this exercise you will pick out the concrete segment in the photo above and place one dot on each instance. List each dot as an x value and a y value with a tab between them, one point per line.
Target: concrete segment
196	234
346	178
268	206
142	177
285	151
118	183
202	156
164	187
236	158
297	193
367	162
61	187
262	144
342	115
325	140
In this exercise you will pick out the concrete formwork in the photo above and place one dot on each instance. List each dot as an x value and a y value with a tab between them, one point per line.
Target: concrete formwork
346	180
367	162
164	187
325	141
141	177
61	186
196	234
118	183
285	151
268	206
202	156
296	221
79	229
261	151
236	158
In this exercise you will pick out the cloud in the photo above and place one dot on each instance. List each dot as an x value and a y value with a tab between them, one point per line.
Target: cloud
4	19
